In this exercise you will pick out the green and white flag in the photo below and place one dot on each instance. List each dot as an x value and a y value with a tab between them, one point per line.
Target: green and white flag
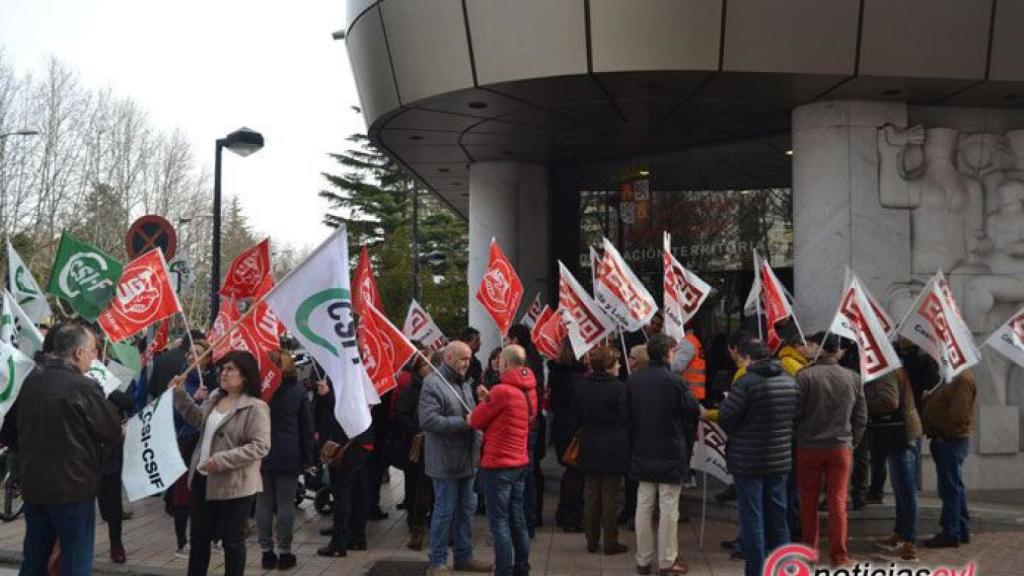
17	329
315	303
84	275
14	368
128	355
24	288
104	377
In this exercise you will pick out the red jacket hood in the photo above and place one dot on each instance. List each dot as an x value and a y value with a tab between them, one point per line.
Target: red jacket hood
521	377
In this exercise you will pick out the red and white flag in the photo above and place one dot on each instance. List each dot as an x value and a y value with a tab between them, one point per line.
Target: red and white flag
533	312
620	293
158	343
419	325
145	295
684	293
1008	340
585	323
247	272
548	333
227	315
364	286
264	325
935	325
775	306
857	320
383	349
500	289
270	374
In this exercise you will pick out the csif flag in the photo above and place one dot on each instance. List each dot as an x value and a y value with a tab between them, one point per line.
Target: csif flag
84	275
857	320
102	375
1008	339
585	323
935	325
365	291
421	327
23	286
17	329
247	272
144	296
684	293
315	303
500	289
14	368
152	461
549	333
383	348
620	293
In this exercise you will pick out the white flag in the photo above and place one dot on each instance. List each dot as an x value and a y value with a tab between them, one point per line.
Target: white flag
709	451
26	292
620	293
857	320
17	328
935	325
684	293
586	324
315	303
419	325
1008	340
152	461
533	312
104	377
752	304
124	374
14	368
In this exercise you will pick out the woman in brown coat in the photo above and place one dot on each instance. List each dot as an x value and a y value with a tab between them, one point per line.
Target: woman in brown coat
234	433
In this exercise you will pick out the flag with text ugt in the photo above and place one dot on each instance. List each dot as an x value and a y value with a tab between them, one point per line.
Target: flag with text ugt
383	348
500	289
684	293
585	323
1008	340
936	326
144	296
14	368
152	461
257	334
84	275
857	320
620	293
364	285
549	333
420	326
315	303
23	286
247	272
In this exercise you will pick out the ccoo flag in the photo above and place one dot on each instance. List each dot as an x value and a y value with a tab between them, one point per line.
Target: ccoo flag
84	275
419	325
1008	340
144	296
935	325
23	286
14	368
857	320
684	292
585	323
315	303
620	293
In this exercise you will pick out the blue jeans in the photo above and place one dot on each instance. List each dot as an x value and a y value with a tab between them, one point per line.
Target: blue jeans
762	504
793	505
504	488
72	524
454	501
903	471
949	456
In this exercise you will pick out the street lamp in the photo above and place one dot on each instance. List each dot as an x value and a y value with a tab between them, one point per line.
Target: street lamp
3	138
242	142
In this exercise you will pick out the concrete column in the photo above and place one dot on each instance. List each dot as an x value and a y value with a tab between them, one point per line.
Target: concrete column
838	219
509	202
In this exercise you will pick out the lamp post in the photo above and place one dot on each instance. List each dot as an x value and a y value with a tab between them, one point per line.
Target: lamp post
242	142
3	175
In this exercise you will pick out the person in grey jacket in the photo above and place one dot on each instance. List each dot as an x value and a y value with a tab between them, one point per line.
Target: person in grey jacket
450	457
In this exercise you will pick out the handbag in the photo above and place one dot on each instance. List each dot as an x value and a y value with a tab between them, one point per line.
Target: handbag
333	453
416	449
571	456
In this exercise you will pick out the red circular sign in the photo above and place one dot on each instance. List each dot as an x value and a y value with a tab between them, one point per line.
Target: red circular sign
150	232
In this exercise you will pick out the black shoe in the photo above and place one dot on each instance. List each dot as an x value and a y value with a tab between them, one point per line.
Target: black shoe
615	548
332	551
357	544
941	541
377	514
736	555
269	561
327	531
965	538
287	561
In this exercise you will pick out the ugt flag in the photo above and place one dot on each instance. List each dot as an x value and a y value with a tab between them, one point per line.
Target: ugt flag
315	303
152	461
500	289
1008	340
419	325
14	368
684	292
365	286
586	325
23	286
84	275
247	272
17	329
935	325
383	348
549	333
144	296
857	320
620	293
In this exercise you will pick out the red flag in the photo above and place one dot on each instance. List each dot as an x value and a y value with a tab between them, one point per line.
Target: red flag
270	375
145	295
265	286
247	272
538	323
263	324
383	346
158	342
776	307
500	289
364	286
226	317
549	333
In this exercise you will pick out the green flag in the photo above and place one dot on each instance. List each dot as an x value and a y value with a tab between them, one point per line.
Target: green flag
84	275
128	355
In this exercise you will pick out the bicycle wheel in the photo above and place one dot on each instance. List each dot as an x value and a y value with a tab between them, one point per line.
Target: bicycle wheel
11	502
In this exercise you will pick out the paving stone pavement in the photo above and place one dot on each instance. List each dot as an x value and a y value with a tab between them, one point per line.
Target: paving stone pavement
150	544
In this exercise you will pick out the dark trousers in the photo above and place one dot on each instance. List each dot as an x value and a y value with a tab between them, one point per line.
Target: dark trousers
373	477
181	526
222	520
420	495
348	488
111	509
878	460
503	488
629	500
570	497
762	513
72	524
949	456
534	491
601	509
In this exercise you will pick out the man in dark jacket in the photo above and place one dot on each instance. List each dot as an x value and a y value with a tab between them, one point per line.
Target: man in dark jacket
169	364
759	416
661	408
62	418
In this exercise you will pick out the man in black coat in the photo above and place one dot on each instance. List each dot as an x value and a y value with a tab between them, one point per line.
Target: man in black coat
661	408
759	416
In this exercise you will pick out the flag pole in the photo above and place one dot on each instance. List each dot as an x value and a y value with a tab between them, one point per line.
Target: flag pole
192	344
227	333
704	487
760	331
625	352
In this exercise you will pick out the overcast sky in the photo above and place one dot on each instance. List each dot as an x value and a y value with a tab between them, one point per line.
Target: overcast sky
209	67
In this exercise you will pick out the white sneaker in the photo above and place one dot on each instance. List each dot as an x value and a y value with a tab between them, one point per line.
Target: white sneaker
183	551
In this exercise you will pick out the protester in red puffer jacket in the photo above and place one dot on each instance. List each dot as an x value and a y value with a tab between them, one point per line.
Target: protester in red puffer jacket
505	416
